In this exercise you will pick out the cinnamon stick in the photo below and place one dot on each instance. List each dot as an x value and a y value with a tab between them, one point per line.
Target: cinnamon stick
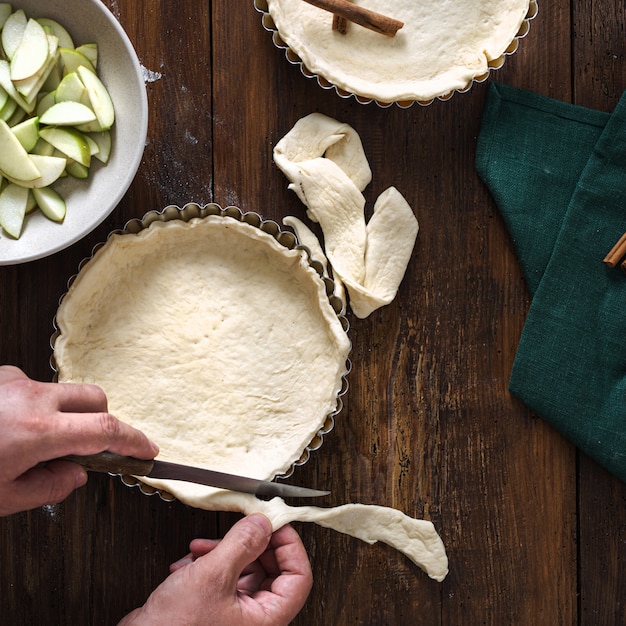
340	24
359	15
617	252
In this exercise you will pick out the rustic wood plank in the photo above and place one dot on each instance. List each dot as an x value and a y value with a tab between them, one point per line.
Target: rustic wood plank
599	50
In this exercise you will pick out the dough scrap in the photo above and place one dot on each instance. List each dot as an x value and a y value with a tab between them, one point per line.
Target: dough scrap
417	539
326	166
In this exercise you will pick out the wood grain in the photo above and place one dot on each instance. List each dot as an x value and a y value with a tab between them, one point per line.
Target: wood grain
535	531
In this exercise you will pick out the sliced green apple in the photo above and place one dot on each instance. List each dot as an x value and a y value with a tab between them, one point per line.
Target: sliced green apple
51	203
70	142
32	52
45	102
70	88
54	77
30	87
13	202
99	97
65	39
18	115
8	109
27	133
50	167
7	84
77	170
93	146
31	204
55	115
42	148
103	139
13	31
89	50
72	60
14	160
68	113
5	10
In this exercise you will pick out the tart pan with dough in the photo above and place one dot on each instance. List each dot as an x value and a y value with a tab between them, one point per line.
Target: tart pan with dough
213	332
443	47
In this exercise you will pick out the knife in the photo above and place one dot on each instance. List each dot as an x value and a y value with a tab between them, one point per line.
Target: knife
125	465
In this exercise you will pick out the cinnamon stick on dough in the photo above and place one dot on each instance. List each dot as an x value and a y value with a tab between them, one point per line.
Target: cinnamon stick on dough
340	24
359	15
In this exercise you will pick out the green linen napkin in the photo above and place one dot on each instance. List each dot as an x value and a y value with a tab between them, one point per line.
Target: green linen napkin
558	175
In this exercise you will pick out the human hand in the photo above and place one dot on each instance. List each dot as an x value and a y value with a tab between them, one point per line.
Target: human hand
250	578
44	421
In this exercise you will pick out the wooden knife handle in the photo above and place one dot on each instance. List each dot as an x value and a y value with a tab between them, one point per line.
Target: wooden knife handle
112	463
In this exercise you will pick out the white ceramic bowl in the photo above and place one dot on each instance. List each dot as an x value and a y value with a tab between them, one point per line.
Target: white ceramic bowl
90	201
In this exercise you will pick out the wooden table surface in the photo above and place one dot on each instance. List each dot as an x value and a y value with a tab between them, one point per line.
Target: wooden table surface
535	531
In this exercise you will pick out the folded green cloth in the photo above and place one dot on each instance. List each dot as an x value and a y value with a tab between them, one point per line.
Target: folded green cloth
558	175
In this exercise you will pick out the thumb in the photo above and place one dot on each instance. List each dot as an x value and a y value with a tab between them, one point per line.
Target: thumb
50	483
242	544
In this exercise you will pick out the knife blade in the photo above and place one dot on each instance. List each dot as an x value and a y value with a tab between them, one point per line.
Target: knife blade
111	463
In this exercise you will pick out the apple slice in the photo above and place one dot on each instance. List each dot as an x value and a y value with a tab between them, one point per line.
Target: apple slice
13	202
27	133
55	76
70	88
7	84
65	39
30	87
45	103
89	50
18	115
70	142
68	113
5	10
4	97
77	170
93	146
14	160
32	53
13	31
99	97
42	148
51	203
72	60
51	168
8	109
31	205
104	142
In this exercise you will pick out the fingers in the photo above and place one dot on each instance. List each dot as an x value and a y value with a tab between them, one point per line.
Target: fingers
242	545
288	562
9	373
88	421
90	433
47	484
79	398
200	547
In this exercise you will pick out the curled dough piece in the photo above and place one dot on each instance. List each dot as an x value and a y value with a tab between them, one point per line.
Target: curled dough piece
326	166
417	539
